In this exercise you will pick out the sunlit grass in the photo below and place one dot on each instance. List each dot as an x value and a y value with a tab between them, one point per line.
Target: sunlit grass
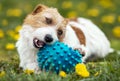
106	69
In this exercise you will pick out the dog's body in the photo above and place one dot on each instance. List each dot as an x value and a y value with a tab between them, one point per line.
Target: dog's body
96	43
45	25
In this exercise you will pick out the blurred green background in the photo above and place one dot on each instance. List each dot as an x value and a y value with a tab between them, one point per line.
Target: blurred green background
104	13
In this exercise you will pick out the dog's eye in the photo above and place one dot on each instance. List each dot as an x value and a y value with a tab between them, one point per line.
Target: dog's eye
60	32
48	20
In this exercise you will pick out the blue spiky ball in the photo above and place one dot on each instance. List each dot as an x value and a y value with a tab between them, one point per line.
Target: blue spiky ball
58	57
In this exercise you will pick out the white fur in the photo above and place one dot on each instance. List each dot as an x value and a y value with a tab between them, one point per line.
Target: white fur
96	41
27	52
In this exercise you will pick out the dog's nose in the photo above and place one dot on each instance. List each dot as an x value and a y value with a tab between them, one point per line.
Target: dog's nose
48	38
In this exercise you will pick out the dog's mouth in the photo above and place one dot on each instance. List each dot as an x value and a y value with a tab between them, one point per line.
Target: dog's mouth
38	43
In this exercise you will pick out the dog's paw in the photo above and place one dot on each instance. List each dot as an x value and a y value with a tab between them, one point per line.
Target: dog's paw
81	49
34	67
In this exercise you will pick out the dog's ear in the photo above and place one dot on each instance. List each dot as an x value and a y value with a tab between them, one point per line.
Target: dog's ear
38	9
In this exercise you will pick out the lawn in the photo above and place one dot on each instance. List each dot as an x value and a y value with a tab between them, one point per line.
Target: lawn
104	13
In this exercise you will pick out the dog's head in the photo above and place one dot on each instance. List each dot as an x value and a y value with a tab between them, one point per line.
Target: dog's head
47	25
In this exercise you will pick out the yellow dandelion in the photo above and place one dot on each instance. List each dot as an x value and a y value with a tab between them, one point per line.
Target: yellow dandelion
72	14
11	33
81	70
28	71
116	31
108	19
118	18
2	73
1	33
82	6
10	46
62	74
18	28
4	22
14	12
93	12
67	4
106	3
16	36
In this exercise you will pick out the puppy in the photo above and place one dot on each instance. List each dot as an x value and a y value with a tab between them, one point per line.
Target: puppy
45	25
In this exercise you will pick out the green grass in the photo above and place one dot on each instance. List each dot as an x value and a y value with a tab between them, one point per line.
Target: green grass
108	70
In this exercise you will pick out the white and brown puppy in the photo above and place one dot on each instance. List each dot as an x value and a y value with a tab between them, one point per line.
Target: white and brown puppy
45	25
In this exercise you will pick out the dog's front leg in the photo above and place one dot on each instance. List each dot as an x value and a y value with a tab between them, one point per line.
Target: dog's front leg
28	57
31	60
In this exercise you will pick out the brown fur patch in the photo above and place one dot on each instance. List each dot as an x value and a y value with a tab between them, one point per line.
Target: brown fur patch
80	35
39	18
